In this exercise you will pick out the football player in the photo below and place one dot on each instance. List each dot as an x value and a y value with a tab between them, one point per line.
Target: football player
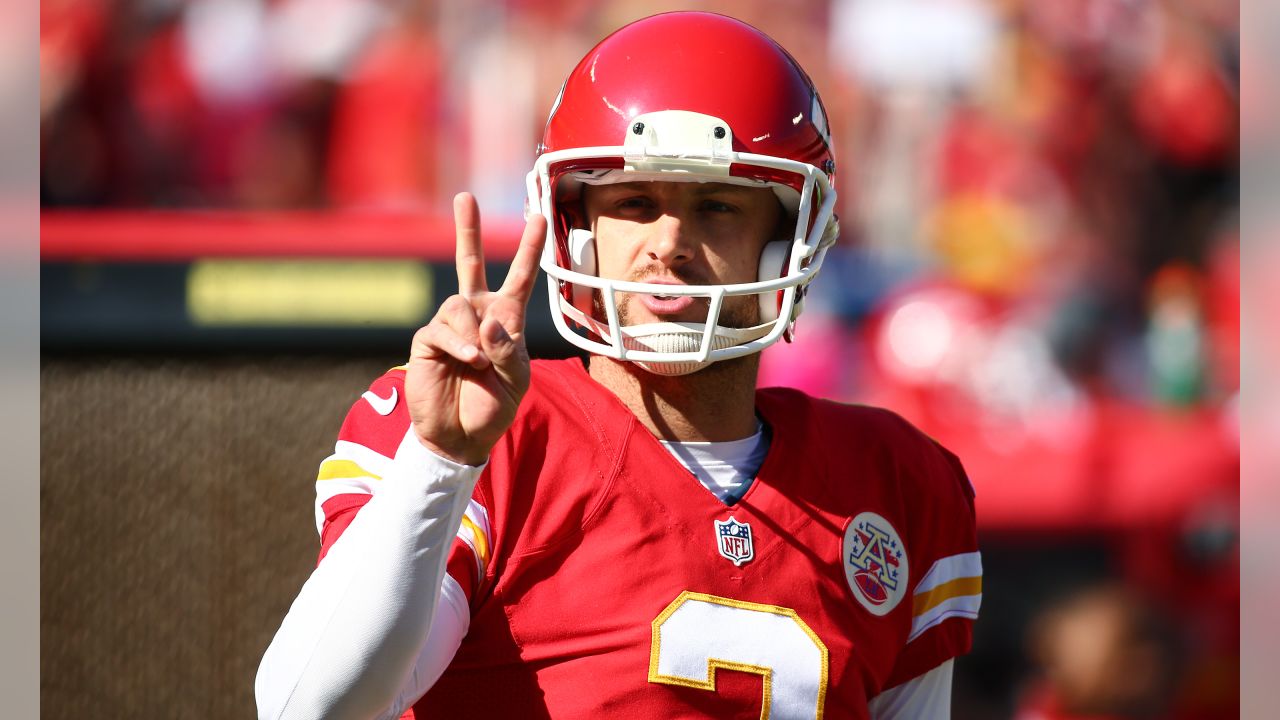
644	534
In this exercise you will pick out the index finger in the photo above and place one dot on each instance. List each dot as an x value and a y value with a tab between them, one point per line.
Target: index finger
524	267
468	254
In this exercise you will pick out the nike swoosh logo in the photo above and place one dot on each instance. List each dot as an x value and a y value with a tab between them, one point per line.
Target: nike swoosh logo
381	405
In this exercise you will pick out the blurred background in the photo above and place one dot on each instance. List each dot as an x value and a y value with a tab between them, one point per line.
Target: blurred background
245	213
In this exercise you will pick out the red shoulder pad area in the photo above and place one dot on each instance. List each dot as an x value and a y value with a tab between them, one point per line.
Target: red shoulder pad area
379	418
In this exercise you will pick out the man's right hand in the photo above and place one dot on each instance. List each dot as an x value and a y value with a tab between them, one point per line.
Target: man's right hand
468	368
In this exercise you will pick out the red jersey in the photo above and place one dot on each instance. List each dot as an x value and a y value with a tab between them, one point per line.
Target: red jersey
605	580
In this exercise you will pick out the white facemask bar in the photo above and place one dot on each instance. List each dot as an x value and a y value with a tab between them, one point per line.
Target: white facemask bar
807	245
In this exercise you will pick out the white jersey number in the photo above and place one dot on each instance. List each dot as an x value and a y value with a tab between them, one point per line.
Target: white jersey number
698	633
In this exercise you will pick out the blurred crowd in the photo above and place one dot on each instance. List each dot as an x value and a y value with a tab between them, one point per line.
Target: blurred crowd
1039	201
1048	189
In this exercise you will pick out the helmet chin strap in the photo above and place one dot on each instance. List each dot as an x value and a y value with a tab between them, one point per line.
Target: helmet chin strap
672	337
668	337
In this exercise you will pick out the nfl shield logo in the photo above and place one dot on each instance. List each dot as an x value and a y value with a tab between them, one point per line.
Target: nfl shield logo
733	539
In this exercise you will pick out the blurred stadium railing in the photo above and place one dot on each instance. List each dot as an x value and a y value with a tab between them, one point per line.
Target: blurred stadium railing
213	282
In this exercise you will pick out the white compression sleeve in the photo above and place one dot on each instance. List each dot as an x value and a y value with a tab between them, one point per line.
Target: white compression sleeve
355	641
924	697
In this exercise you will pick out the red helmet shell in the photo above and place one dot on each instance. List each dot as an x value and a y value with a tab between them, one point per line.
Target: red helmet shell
698	62
654	98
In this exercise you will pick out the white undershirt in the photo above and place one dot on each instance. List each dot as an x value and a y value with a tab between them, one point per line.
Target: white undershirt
725	468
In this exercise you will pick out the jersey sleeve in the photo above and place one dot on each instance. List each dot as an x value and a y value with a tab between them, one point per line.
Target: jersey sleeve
381	617
370	435
924	697
946	597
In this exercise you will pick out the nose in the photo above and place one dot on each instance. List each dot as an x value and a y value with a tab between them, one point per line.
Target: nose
669	240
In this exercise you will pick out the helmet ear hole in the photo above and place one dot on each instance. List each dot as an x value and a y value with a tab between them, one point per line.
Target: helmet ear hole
582	259
773	265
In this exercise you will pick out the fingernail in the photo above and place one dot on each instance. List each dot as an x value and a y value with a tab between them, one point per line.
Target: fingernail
469	352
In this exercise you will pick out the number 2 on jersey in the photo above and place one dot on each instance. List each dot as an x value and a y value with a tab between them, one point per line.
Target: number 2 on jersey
698	633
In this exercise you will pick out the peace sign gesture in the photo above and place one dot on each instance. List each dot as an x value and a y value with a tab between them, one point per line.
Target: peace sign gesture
469	368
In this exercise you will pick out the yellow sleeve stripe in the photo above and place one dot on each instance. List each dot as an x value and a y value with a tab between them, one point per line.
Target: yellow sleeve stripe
926	601
336	468
478	541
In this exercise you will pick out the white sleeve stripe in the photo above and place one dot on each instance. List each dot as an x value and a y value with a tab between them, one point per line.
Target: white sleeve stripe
950	568
923	697
374	462
479	516
369	460
326	490
464	534
476	514
962	606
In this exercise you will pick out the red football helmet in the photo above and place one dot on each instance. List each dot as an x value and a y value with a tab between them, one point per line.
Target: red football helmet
684	97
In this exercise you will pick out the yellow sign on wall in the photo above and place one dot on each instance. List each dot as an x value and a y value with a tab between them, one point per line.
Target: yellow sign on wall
382	293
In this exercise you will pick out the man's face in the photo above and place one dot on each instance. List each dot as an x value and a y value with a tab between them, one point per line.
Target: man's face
683	233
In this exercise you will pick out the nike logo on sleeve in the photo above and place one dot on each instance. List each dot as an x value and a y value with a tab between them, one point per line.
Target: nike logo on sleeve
381	405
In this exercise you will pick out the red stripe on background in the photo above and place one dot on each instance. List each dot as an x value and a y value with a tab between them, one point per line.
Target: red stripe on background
182	235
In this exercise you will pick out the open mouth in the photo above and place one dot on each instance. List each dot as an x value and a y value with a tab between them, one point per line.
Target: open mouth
667	304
